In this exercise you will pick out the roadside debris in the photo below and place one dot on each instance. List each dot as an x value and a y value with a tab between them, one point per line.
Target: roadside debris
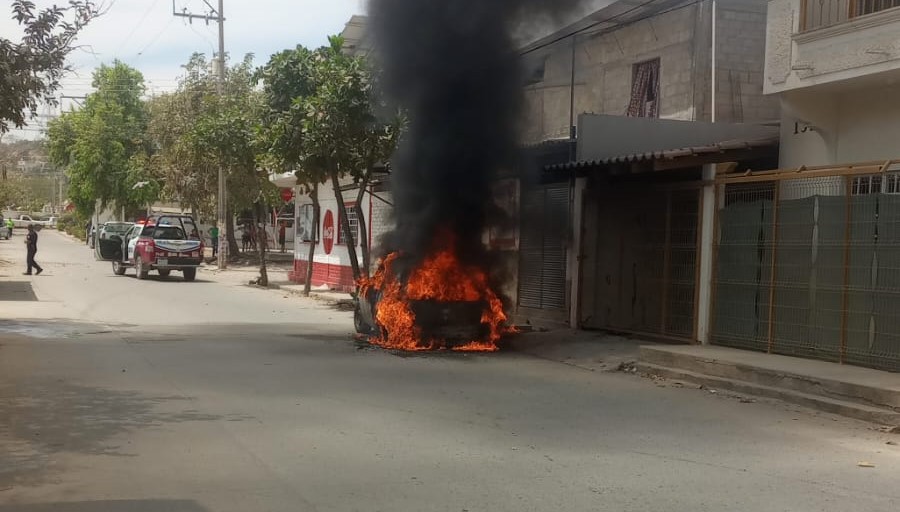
864	464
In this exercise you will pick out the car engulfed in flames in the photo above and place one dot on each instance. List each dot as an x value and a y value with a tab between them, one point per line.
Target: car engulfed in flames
440	304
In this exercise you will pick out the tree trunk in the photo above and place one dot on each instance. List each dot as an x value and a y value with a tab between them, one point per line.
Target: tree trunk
314	238
263	240
363	227
233	249
345	225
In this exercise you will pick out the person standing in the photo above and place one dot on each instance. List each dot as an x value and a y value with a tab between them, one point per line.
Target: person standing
214	238
31	240
9	227
281	235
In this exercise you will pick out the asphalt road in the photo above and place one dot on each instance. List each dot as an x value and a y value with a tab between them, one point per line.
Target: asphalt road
165	396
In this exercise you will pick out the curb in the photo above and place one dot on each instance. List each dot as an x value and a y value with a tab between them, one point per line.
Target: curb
840	407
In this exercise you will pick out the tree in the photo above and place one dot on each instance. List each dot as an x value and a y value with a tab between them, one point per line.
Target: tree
184	166
287	81
30	70
104	147
322	108
197	131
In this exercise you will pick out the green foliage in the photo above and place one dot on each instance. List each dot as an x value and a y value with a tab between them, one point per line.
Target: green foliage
73	224
321	114
30	69
321	122
26	193
104	147
198	132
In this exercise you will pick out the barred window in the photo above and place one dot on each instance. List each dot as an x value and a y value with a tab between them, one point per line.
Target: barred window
879	184
350	212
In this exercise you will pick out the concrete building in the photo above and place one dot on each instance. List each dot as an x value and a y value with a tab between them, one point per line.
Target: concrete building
660	54
331	261
835	66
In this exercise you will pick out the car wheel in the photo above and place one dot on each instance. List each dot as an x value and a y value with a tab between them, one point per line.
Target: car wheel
359	324
118	268
165	273
190	274
139	267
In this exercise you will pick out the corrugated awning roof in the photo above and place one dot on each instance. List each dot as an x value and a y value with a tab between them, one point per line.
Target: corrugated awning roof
670	154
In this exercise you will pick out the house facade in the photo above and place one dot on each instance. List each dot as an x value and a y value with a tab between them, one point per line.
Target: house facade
806	255
674	61
655	60
332	268
835	66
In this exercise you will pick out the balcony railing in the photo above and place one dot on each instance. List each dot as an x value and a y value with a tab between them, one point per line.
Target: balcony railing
823	13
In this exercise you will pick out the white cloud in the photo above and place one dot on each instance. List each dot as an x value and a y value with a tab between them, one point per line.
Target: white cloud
145	35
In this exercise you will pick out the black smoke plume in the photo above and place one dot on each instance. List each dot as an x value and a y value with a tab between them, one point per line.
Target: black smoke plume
454	67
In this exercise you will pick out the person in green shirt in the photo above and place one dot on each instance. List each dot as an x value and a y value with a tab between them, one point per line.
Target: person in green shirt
214	238
9	227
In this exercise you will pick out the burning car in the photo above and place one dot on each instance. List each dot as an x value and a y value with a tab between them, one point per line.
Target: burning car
454	323
440	304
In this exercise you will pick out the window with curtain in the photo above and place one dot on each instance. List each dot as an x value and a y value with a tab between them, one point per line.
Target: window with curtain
644	90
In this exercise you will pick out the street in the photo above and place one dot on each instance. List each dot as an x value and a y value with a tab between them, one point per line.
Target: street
161	395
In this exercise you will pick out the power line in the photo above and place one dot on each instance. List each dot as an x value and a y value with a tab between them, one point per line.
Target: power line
155	38
588	27
139	23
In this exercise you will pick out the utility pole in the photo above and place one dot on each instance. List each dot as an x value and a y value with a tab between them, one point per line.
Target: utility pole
218	16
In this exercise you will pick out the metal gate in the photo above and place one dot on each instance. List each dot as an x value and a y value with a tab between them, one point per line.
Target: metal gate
639	267
542	247
808	264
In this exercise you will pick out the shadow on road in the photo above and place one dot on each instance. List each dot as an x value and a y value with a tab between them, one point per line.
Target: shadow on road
54	416
110	506
17	291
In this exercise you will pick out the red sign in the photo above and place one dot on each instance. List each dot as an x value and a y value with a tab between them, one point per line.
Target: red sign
328	232
287	194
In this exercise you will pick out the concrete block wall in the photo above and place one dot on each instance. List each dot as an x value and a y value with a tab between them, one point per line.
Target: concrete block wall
604	64
740	63
682	40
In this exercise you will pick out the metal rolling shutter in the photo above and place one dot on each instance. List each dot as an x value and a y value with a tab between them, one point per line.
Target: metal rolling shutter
542	246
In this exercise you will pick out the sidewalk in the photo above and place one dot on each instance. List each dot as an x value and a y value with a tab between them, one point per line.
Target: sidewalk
861	393
245	275
588	350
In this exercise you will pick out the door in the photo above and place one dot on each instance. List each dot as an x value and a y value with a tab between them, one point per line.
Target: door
130	242
109	248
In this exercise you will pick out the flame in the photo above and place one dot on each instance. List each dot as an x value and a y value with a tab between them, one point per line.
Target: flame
441	277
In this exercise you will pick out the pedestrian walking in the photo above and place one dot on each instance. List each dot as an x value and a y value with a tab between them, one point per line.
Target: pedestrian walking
9	227
31	240
214	238
245	239
281	235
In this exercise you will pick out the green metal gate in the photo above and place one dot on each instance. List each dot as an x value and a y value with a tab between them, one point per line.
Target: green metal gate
810	266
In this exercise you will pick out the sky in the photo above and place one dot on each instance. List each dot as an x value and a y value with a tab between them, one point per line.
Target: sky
145	35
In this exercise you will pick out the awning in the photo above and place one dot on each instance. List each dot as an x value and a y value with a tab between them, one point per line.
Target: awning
725	149
283	180
648	144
